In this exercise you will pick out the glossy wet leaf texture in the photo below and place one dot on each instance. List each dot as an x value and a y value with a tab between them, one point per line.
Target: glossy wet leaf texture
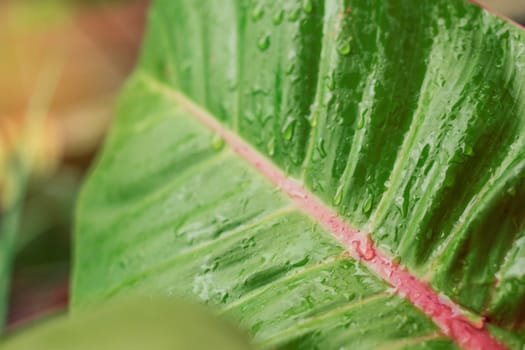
407	117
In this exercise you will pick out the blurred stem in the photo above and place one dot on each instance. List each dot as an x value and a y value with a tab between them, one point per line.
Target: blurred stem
17	171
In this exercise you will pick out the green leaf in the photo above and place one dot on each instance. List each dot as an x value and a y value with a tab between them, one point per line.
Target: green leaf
132	324
407	118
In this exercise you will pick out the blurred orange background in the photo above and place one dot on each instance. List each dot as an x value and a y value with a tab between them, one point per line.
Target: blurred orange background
64	60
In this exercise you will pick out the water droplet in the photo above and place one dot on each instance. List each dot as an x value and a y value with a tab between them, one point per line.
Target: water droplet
223	297
257	13
321	149
257	90
450	180
338	196
263	43
265	118
309	301
301	262
312	119
209	266
296	158
250	117
360	122
256	327
288	128
217	142
463	22
290	68
270	147
344	48
248	243
330	82
401	205
396	261
294	15
278	17
365	249
307	6
368	204
468	150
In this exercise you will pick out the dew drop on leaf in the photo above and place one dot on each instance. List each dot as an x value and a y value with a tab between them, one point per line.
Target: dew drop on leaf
401	205
321	149
256	327
289	69
344	48
296	158
265	118
294	15
450	179
360	122
217	142
349	324
278	17
209	265
270	147
257	13
263	43
223	297
301	262
330	82
338	196
312	119
468	150
288	128
397	260
248	243
368	204
307	6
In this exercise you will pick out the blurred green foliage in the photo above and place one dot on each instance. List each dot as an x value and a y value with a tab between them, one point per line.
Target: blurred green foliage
134	324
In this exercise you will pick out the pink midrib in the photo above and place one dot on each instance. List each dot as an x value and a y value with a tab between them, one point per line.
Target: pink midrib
446	315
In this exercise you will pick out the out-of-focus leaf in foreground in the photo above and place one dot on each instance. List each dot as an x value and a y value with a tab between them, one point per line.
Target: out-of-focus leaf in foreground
132	324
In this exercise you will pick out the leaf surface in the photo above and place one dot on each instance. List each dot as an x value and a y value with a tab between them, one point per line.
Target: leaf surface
407	119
